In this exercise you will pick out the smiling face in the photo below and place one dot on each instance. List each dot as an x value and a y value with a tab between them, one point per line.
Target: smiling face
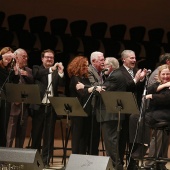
98	63
48	59
164	75
129	59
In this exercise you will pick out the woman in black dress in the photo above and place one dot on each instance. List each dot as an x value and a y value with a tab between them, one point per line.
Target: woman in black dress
81	126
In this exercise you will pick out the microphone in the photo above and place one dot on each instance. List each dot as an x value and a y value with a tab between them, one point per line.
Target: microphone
106	69
148	72
13	63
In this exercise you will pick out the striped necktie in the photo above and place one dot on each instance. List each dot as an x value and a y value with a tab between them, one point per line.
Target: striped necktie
131	73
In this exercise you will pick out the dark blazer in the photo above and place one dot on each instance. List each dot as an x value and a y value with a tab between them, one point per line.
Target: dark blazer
40	74
16	108
114	82
136	88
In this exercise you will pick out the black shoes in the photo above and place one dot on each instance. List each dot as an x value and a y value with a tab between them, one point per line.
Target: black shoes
138	153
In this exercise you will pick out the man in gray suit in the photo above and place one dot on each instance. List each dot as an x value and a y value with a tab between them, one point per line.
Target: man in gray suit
18	123
96	79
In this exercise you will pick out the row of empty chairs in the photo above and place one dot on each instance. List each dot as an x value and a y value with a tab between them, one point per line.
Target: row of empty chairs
37	39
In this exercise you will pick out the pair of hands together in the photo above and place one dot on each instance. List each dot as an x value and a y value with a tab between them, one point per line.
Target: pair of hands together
59	66
80	85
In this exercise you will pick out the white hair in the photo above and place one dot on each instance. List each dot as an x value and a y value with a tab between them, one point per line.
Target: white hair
95	55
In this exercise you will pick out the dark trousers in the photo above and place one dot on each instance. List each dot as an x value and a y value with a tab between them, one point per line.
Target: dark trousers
85	135
124	138
80	128
4	117
109	129
16	130
43	126
143	135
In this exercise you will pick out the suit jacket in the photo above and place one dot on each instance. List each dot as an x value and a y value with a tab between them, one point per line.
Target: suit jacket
94	77
114	82
16	108
40	74
136	88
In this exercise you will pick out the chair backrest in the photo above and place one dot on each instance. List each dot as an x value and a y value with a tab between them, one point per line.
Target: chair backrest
37	24
98	29
156	35
117	32
47	41
2	17
168	36
6	38
137	33
26	40
58	26
16	22
112	48
78	28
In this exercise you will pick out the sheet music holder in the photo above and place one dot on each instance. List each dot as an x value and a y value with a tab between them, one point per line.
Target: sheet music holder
69	106
29	93
62	104
127	99
23	93
120	103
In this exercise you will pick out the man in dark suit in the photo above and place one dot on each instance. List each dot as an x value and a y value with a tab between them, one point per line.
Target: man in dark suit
16	128
115	81
135	84
96	79
48	76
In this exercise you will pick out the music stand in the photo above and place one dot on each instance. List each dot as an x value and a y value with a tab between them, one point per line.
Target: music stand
23	93
119	103
67	106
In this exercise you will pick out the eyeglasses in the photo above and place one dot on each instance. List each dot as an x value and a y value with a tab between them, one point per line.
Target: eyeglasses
49	57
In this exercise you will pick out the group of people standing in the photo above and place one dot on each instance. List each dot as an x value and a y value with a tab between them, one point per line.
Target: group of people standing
87	80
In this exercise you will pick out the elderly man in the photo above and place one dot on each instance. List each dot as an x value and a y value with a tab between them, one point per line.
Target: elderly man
115	81
16	129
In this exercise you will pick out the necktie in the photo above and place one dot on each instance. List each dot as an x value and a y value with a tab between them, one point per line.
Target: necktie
131	73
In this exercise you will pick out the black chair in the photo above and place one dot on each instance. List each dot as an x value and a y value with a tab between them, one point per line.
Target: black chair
117	32
78	28
58	26
98	29
163	126
37	24
47	41
112	48
16	22
90	45
137	33
26	40
6	38
2	17
168	36
156	35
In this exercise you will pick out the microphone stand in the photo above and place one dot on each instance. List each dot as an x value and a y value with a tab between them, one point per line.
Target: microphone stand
47	92
93	104
142	115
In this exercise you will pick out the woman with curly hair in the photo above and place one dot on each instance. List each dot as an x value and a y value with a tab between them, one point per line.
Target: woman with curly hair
81	126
